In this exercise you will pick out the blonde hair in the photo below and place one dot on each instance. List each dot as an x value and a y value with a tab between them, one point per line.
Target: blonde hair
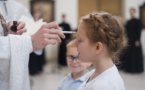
72	43
105	28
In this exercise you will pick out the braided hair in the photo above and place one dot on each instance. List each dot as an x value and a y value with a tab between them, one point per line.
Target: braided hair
107	29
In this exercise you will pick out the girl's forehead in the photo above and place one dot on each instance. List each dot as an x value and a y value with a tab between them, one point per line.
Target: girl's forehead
72	48
80	30
81	33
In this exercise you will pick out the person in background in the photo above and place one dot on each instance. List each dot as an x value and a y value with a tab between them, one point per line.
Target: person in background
38	15
78	69
62	48
101	38
133	58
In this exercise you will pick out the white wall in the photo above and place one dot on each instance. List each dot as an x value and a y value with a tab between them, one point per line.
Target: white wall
68	7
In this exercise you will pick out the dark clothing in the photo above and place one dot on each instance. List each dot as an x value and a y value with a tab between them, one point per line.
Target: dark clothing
133	58
65	27
62	48
36	63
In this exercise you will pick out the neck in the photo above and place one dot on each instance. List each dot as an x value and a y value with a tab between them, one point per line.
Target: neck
102	64
77	75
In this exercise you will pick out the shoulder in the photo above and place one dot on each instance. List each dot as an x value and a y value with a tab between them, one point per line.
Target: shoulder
61	82
110	80
64	79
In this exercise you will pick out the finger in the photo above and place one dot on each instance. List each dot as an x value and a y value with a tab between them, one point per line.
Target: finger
54	36
9	24
61	34
50	41
21	25
12	32
21	31
57	31
52	25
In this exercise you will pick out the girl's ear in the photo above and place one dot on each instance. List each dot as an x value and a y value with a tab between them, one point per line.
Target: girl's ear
99	47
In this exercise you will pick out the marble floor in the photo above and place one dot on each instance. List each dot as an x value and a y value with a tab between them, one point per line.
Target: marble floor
49	78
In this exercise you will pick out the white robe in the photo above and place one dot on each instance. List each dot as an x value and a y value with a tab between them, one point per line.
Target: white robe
14	56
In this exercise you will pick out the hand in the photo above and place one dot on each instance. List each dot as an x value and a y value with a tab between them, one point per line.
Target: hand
49	33
137	43
20	28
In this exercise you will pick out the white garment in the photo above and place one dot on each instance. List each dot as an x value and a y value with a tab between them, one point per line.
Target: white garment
14	62
12	10
108	80
14	55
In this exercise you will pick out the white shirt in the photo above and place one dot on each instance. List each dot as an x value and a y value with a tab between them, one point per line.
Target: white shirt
108	80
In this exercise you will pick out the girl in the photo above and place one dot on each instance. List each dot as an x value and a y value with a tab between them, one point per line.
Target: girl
101	37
